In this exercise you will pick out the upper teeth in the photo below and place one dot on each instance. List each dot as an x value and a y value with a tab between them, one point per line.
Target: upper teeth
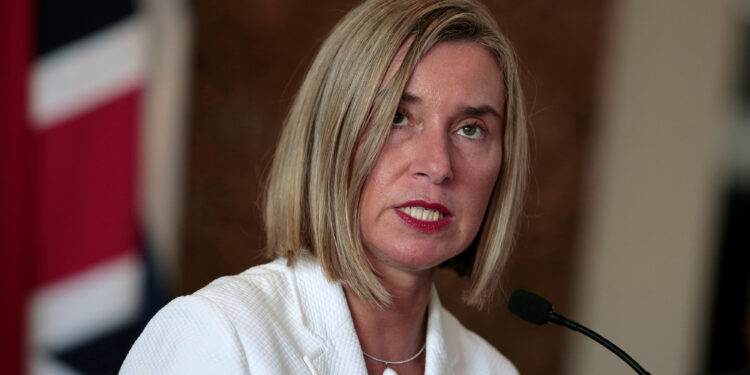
421	213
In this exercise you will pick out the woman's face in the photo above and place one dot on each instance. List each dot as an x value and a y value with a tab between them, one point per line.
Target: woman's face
426	197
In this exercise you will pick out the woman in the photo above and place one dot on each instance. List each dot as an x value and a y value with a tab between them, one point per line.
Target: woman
405	149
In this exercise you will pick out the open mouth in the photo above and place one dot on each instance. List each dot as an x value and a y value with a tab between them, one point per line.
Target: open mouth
424	217
421	213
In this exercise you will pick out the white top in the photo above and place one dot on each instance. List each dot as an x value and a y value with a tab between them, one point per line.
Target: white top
275	319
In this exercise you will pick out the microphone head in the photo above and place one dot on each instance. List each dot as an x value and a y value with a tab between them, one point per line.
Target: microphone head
530	307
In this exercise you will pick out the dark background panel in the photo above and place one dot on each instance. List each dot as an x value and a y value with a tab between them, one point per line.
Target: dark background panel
728	346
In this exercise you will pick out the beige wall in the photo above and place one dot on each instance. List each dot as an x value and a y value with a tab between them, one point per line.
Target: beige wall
656	171
164	131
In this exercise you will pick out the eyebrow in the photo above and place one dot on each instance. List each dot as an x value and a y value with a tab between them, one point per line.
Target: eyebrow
410	98
482	110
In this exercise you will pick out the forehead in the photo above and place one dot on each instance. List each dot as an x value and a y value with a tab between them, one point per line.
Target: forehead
464	69
451	59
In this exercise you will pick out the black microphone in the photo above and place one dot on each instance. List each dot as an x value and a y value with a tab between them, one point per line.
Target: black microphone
535	309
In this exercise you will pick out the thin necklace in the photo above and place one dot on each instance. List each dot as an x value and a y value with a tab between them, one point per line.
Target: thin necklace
388	369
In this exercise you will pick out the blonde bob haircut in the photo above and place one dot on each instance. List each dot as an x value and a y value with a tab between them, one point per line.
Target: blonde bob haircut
312	197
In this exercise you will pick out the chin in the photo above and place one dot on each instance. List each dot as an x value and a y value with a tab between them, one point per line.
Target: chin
415	257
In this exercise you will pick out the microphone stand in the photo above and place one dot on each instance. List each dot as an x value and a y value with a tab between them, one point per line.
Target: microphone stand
563	321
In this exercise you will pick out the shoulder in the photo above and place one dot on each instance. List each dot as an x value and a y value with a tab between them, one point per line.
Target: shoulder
477	355
223	326
190	334
262	289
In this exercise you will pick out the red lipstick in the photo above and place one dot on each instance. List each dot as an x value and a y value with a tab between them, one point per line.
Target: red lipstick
422	225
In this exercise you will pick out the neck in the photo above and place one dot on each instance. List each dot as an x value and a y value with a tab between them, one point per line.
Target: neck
398	331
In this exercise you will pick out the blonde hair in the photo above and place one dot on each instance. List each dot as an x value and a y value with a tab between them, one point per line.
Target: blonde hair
314	184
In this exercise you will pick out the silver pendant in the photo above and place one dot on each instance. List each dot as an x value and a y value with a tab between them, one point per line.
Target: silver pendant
389	371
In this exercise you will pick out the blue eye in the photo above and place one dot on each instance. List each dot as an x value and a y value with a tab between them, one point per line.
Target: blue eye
399	119
471	131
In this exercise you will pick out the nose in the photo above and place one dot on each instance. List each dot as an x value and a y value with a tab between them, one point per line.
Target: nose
431	156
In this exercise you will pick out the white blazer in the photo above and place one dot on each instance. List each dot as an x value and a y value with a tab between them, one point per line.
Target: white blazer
274	319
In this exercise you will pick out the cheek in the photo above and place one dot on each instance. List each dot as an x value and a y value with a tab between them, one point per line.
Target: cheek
367	202
479	189
368	213
385	172
375	190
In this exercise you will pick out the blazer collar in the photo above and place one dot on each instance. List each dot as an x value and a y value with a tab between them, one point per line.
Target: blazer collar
326	314
442	355
335	348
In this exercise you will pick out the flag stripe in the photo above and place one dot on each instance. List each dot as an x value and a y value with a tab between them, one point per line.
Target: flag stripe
61	21
58	316
86	189
15	54
83	74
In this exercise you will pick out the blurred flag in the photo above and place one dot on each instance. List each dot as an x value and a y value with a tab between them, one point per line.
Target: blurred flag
74	239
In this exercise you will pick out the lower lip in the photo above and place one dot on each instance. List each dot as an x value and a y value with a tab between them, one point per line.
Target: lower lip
421	225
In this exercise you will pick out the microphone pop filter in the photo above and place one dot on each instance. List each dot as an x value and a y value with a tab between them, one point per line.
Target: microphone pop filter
530	307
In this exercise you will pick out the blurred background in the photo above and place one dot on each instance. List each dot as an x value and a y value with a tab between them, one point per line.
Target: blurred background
134	136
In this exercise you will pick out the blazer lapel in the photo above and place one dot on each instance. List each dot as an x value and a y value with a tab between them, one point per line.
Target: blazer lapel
326	314
442	356
336	348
